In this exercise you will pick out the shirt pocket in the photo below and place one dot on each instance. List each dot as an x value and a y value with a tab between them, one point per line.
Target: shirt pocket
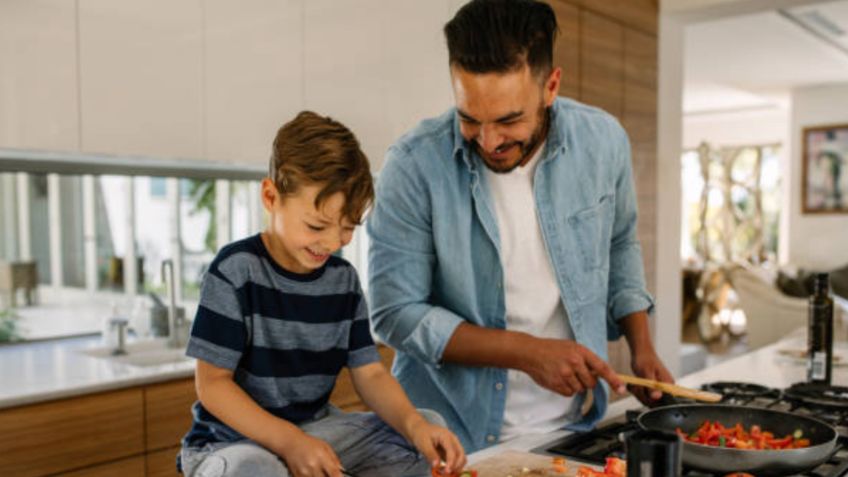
592	227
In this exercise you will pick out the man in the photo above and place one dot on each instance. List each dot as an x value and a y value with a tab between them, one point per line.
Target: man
503	241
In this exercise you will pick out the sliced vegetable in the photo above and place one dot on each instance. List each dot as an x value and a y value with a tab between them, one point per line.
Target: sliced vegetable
584	471
614	467
736	437
440	472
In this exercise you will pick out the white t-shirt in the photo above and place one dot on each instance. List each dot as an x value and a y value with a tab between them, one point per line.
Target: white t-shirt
533	302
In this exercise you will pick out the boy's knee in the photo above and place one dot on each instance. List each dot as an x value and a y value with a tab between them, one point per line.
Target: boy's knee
241	460
433	417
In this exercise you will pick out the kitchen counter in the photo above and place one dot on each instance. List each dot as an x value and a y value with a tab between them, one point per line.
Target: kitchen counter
765	366
43	371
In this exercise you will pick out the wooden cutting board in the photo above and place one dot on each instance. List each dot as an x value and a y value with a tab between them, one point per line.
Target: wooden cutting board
512	463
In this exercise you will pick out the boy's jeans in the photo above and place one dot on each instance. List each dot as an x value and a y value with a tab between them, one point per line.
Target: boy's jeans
366	446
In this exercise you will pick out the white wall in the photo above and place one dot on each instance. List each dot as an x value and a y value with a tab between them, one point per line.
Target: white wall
667	331
815	241
215	79
736	128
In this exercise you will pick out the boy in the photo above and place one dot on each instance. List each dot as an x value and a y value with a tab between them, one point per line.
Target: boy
280	316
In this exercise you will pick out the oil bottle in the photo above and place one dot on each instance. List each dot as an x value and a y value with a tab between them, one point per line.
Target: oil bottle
820	333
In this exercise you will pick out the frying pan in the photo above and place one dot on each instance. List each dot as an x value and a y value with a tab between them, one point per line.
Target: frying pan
689	418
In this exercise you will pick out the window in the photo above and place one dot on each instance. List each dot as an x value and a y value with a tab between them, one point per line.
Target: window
198	234
97	230
97	242
731	202
157	187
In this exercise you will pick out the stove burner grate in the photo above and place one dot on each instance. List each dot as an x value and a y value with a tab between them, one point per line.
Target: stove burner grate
742	393
819	396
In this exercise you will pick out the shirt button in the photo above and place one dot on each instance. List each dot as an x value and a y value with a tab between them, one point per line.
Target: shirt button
498	386
490	438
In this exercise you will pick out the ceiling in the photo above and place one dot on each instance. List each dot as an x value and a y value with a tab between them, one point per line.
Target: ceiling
754	60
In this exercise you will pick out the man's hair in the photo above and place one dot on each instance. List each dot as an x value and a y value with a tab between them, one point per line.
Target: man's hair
313	149
497	36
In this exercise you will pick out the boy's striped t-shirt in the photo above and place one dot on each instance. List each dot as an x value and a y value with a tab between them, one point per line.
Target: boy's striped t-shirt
285	336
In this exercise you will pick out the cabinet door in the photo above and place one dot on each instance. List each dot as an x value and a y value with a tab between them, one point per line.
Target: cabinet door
168	412
141	77
567	48
132	467
38	77
72	433
601	62
344	395
253	71
163	463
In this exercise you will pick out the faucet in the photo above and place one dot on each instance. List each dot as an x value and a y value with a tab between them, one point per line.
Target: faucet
121	325
175	323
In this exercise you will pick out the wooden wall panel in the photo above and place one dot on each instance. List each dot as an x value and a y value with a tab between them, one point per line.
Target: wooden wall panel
642	15
57	436
567	48
640	121
601	63
616	52
168	412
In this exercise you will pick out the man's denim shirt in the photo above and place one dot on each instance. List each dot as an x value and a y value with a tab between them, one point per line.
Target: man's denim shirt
434	261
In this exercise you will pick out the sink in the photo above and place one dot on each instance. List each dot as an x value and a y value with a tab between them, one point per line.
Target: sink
143	353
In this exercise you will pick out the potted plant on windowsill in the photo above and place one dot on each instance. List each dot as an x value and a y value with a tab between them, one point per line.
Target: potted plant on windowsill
9	331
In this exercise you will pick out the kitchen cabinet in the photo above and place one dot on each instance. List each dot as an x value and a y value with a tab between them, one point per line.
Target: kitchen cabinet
162	463
129	432
110	433
253	67
131	467
141	77
344	395
336	52
167	414
74	433
38	80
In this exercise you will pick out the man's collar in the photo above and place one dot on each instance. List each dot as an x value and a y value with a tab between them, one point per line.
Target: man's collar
461	148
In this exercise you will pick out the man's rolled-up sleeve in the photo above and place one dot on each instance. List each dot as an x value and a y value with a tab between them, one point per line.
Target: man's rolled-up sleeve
401	261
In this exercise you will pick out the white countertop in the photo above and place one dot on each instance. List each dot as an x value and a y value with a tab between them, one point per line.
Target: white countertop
43	371
765	366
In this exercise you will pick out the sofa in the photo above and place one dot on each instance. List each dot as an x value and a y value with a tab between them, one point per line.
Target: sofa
771	313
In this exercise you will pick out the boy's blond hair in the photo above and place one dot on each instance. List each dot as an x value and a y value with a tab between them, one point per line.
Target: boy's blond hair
314	149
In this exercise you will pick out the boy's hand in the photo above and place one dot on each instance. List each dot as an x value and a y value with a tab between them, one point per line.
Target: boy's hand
307	456
438	445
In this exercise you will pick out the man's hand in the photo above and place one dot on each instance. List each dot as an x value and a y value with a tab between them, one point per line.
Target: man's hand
438	445
307	456
643	357
566	367
646	364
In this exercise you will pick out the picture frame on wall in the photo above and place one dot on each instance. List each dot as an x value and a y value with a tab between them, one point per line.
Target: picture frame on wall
825	170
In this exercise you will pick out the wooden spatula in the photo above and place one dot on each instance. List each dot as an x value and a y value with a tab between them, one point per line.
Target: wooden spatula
671	389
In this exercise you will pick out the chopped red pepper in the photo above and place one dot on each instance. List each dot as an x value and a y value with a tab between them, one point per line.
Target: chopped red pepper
715	434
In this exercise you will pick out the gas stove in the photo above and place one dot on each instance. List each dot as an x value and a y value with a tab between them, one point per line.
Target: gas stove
826	403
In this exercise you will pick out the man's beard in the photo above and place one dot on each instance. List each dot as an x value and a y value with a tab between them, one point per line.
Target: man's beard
526	147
